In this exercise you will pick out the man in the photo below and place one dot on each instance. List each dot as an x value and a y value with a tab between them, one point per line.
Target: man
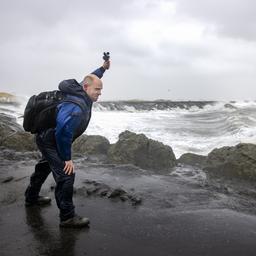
72	119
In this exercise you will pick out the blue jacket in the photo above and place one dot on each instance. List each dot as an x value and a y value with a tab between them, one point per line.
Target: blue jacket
72	119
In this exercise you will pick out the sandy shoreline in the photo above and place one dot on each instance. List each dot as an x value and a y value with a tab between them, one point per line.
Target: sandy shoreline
117	230
175	217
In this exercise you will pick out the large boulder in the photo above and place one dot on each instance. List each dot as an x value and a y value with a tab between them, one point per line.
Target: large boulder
20	141
12	135
140	151
8	126
233	162
192	159
91	145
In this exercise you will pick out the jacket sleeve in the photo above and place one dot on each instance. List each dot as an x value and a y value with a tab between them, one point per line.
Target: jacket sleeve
67	120
99	72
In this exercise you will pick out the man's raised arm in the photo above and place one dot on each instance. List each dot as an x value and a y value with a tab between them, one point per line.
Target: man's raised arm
100	71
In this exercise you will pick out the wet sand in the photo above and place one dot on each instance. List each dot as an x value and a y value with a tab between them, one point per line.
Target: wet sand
176	217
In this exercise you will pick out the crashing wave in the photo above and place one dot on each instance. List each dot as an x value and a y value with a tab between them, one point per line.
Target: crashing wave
130	106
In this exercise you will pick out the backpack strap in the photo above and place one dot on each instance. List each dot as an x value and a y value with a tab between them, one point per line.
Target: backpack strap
77	102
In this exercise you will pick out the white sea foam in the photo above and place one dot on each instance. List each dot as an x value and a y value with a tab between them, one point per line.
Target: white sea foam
197	130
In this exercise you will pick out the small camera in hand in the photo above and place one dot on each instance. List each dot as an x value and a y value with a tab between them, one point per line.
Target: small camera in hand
106	56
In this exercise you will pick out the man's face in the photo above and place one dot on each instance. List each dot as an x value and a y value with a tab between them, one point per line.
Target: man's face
94	90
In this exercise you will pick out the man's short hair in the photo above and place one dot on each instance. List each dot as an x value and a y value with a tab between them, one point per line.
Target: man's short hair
88	80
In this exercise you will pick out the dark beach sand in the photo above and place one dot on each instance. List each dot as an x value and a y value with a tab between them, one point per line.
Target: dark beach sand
174	218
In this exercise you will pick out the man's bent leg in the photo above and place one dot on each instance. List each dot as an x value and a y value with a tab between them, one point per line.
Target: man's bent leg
64	182
64	194
42	170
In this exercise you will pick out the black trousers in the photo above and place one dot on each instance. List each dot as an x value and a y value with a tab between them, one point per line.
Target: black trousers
51	162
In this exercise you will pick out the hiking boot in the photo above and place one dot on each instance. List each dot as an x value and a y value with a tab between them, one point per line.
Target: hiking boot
41	200
75	222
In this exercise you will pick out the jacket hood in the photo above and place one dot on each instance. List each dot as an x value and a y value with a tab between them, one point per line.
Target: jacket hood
71	86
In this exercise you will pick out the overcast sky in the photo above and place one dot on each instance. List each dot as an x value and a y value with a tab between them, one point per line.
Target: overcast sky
160	49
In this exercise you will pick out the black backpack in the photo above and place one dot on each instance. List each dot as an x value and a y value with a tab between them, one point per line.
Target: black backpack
40	112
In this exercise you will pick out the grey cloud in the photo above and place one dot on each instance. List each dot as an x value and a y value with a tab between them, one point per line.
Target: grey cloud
234	18
174	54
44	42
27	18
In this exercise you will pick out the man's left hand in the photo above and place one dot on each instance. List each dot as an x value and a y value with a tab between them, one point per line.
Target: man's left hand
69	167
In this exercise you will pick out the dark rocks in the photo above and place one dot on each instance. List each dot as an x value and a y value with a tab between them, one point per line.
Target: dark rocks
8	126
93	187
150	105
136	149
20	141
192	159
131	148
13	137
11	154
93	144
117	193
140	151
135	200
237	162
230	106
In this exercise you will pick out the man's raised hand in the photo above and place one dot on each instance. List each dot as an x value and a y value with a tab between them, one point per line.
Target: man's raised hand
106	64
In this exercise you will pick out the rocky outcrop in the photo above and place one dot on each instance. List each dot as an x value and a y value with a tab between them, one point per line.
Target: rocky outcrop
8	126
14	155
228	105
91	145
192	159
237	162
160	104
20	141
232	162
13	137
92	187
140	151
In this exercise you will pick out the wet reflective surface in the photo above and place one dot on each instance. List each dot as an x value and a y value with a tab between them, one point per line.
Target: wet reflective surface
178	216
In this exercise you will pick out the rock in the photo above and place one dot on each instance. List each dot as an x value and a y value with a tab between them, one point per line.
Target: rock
91	144
8	126
92	187
20	141
10	154
228	105
13	136
192	159
103	192
118	192
232	162
7	179
124	197
136	200
140	151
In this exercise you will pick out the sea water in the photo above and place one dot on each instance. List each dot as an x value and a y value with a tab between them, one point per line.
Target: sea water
196	128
